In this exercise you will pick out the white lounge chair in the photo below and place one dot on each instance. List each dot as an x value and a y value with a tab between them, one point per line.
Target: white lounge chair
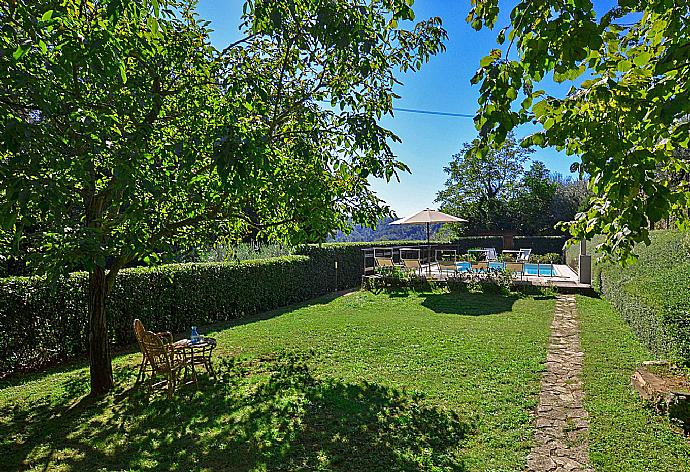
490	254
523	255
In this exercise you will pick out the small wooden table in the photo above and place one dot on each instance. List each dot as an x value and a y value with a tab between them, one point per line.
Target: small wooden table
198	353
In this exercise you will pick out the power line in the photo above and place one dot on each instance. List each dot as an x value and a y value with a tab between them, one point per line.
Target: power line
428	112
423	112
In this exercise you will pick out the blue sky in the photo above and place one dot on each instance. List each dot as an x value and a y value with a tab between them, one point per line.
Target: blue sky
428	142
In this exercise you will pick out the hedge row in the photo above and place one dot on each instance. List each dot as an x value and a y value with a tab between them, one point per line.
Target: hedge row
653	295
43	324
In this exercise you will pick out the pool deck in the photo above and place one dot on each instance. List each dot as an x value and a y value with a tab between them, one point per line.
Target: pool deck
565	280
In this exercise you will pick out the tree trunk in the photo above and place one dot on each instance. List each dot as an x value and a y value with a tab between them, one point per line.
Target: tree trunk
99	352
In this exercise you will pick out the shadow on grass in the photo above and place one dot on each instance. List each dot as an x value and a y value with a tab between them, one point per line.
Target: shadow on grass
471	304
270	413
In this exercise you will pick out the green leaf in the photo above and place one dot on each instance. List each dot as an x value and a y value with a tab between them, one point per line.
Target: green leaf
642	59
624	66
20	51
486	60
123	72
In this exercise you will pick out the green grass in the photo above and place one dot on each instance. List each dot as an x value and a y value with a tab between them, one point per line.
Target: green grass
624	434
360	382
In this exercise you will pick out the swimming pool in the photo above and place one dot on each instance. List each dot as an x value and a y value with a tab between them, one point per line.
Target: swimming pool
544	270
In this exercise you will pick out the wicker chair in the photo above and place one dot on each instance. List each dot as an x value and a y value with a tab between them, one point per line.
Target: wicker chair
163	359
138	333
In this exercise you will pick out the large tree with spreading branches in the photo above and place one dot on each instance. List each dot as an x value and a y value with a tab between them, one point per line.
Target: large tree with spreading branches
124	134
623	117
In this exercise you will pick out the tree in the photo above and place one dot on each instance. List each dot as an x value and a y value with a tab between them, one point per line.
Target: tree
569	198
532	203
126	135
623	121
480	188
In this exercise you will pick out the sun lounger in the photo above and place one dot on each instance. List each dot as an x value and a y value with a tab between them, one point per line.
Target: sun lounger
384	262
413	265
523	255
490	253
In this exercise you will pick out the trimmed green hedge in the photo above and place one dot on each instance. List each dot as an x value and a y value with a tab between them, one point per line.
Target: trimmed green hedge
572	255
653	295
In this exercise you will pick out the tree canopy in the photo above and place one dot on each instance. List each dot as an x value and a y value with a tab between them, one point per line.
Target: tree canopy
496	193
625	120
125	134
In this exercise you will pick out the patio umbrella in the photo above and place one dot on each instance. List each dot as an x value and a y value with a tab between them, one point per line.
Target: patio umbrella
427	217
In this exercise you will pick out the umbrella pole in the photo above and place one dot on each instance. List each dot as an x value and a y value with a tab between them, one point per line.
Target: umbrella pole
428	250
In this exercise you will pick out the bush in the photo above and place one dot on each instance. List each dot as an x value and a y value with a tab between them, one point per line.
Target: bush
538	244
572	256
653	294
492	281
549	258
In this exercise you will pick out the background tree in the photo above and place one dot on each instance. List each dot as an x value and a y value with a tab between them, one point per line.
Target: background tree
531	204
570	197
625	121
480	188
126	135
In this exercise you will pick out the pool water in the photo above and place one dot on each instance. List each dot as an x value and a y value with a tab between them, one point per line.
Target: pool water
547	270
544	270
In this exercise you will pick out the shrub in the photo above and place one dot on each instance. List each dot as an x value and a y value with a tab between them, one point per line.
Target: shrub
492	281
541	244
653	294
572	255
549	258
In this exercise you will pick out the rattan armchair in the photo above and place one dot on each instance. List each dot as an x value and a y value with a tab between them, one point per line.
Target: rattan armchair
139	331
163	359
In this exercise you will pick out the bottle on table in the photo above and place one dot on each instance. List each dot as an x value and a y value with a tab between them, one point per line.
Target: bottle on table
195	338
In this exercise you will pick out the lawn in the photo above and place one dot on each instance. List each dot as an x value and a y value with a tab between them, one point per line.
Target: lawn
359	382
624	435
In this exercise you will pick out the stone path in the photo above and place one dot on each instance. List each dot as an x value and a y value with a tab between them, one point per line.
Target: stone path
561	428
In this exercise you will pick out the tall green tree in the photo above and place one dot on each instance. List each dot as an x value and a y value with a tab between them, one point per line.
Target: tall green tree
570	197
532	203
480	189
125	134
624	120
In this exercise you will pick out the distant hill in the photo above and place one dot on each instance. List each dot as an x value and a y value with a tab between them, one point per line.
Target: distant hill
384	232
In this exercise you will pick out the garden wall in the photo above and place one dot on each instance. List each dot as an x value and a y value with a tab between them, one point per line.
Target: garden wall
43	323
653	294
